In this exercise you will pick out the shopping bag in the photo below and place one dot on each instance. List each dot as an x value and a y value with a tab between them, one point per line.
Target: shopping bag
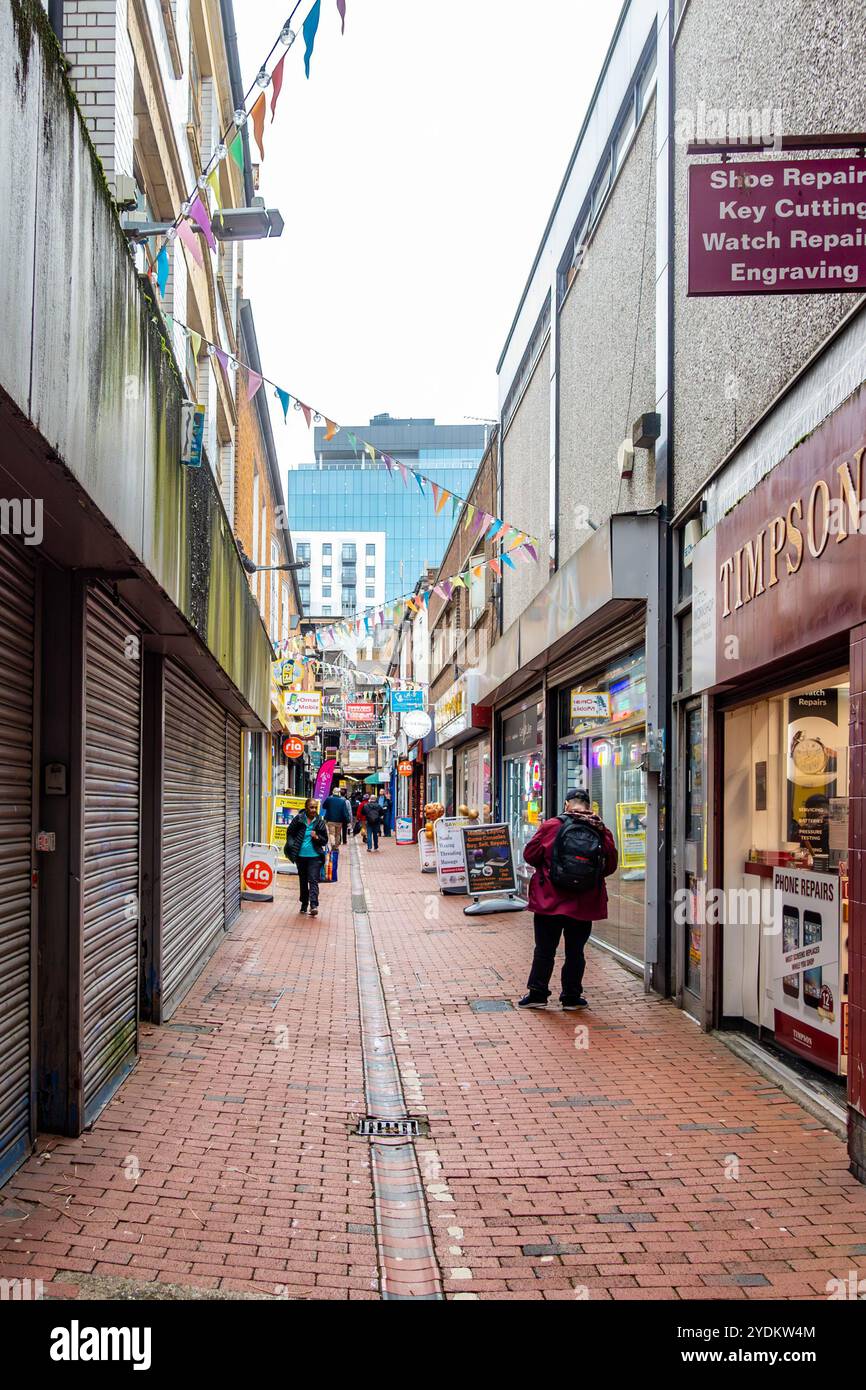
331	862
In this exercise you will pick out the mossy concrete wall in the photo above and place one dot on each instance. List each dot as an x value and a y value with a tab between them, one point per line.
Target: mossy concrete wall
84	357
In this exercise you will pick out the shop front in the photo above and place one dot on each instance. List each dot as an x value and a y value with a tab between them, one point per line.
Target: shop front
521	744
779	600
601	749
462	730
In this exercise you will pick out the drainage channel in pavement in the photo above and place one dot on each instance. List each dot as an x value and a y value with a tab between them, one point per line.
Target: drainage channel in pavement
407	1261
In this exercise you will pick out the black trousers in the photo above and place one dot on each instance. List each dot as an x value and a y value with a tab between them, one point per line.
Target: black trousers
548	930
308	880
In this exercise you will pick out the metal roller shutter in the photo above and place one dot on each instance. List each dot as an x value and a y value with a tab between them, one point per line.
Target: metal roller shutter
193	832
233	820
17	622
110	863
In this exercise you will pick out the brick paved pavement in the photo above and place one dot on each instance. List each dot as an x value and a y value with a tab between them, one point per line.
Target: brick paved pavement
552	1171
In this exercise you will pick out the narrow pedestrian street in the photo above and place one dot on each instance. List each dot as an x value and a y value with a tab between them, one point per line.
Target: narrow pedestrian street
639	1159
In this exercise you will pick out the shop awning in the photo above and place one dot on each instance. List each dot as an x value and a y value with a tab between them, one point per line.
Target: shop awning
376	779
598	585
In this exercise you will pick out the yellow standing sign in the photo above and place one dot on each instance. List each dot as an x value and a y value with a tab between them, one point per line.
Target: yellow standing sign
285	810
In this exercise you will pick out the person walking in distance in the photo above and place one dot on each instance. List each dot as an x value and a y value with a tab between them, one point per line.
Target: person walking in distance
572	855
336	813
306	843
371	815
385	804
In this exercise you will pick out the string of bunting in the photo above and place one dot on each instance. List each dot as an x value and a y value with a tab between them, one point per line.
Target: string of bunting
478	522
195	212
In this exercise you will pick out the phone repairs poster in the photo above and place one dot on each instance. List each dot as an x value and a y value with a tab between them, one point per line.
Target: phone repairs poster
806	984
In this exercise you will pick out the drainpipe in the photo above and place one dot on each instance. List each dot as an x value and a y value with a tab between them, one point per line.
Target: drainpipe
659	929
230	37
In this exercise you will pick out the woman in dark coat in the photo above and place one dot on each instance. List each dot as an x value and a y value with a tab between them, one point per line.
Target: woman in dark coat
561	911
306	843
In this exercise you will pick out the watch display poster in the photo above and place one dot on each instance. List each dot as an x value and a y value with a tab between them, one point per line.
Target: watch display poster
812	745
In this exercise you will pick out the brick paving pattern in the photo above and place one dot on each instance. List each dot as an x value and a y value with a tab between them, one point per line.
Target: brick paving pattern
648	1163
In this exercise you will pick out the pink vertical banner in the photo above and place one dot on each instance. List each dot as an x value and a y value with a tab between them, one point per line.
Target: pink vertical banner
324	777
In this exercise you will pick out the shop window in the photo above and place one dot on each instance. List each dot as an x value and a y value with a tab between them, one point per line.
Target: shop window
785	866
601	749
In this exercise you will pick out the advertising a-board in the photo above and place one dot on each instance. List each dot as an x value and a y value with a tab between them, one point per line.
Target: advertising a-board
450	863
488	859
258	871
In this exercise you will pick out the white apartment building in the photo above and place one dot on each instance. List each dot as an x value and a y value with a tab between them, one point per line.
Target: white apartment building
344	571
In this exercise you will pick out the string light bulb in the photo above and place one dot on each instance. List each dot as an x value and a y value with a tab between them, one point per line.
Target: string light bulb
220	152
240	117
287	35
263	78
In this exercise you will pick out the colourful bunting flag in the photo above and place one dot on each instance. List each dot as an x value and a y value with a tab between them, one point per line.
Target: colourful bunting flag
368	449
200	215
470	512
507	560
403	472
213	183
495	566
447	586
494	530
331	430
437	589
435	489
254	381
277	82
458	582
222	357
308	414
285	401
162	269
341	6
311	24
477	571
257	116
481	520
388	462
419	480
456	504
236	150
353	440
531	548
443	498
195	342
190	241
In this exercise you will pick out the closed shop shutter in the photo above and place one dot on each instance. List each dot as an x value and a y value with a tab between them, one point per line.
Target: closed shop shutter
193	832
110	863
17	609
233	820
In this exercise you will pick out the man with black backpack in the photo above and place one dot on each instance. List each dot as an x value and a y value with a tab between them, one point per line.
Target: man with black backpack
572	855
371	815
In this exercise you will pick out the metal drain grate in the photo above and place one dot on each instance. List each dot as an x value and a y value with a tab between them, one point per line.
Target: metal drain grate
389	1129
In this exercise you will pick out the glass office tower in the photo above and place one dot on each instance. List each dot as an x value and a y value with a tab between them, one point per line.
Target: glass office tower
343	492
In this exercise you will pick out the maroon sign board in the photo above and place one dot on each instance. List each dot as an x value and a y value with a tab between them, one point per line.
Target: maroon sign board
786	226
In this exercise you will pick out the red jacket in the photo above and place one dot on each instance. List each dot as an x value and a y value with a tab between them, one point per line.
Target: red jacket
545	897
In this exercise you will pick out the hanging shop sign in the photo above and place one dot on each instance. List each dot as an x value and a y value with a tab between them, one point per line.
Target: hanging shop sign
807	965
457	713
192	434
788	226
360	711
258	871
416	724
303	704
385	740
489	860
784	568
404	700
293	746
404	767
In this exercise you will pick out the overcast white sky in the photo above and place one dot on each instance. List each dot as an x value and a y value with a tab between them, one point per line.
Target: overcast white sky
415	171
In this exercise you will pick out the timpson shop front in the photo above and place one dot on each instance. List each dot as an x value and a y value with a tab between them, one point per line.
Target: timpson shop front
772	805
